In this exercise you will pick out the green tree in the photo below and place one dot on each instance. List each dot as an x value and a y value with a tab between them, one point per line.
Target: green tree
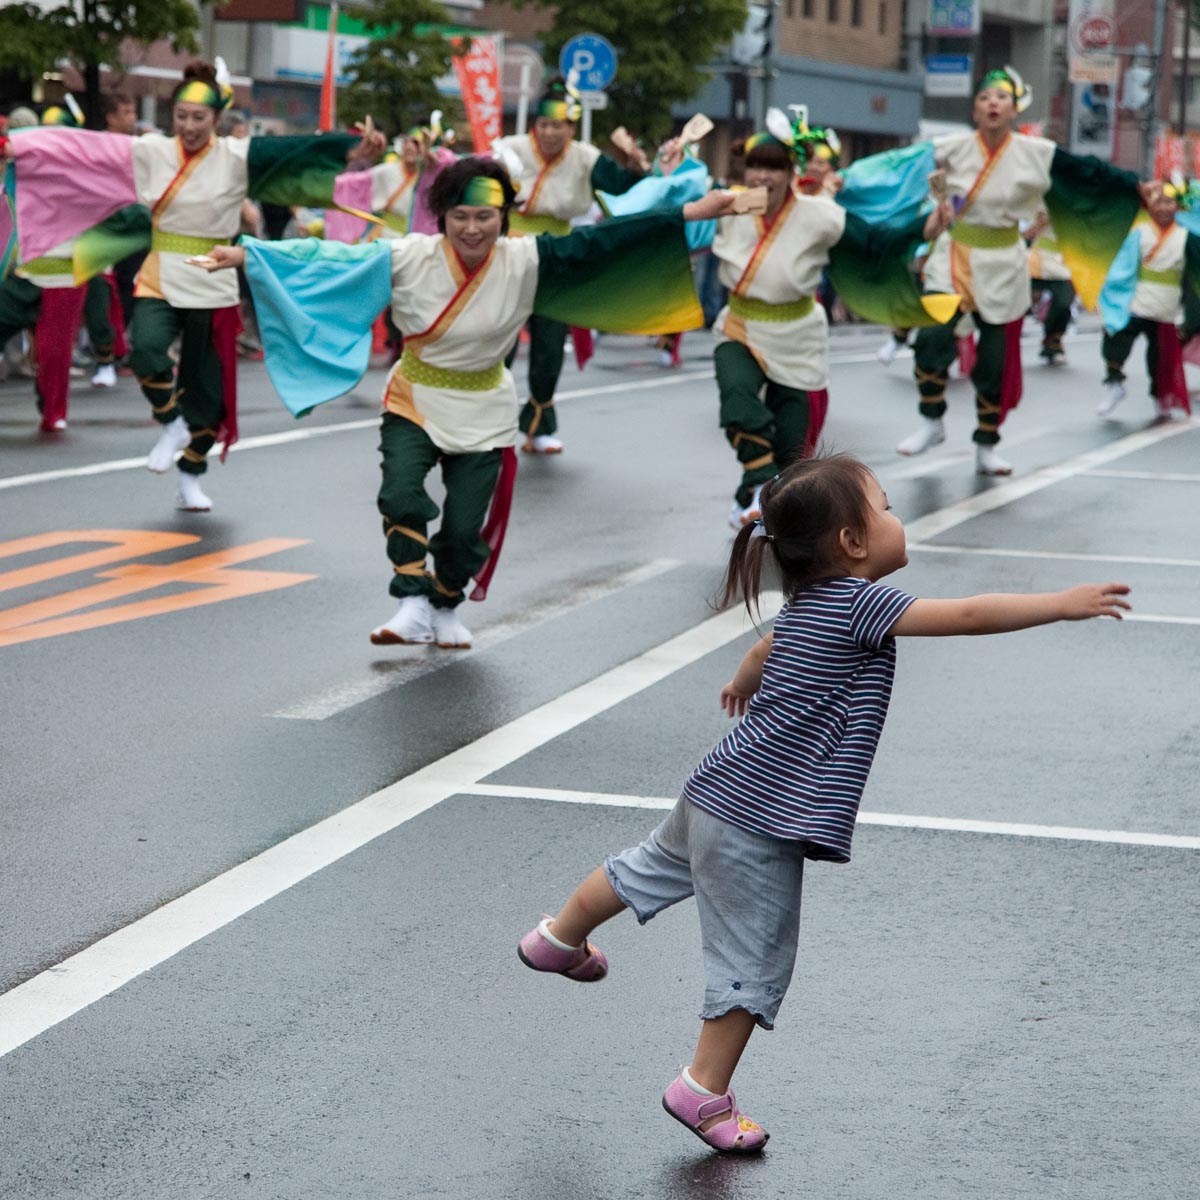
89	36
395	73
662	46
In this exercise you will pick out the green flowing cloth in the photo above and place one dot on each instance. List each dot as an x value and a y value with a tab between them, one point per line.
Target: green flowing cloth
297	171
869	267
625	275
1092	205
126	232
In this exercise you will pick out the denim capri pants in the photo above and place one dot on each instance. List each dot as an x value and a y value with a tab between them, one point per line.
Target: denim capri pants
747	890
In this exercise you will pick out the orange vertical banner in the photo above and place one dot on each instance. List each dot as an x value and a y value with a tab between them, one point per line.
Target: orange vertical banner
478	74
327	117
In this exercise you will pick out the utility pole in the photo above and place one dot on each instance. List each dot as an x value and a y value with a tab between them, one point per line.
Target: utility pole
767	58
1158	56
1185	9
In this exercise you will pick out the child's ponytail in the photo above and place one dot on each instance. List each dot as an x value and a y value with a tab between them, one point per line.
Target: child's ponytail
804	509
743	575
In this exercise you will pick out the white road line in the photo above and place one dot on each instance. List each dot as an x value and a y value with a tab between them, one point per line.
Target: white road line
935	523
1120	837
317	431
1161	619
1156	476
1066	556
404	670
250	443
63	990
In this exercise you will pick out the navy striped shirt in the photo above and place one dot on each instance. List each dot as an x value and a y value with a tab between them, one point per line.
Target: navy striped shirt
796	765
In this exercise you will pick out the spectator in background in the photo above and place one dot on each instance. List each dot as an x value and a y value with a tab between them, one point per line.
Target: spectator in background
120	113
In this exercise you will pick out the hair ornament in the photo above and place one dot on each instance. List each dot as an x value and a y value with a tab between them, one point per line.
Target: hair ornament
561	101
1178	189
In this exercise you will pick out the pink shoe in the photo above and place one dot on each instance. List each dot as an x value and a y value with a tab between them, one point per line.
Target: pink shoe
735	1135
584	964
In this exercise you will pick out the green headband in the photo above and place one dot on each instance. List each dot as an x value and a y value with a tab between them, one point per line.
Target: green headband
558	110
483	191
196	91
57	115
1008	80
763	138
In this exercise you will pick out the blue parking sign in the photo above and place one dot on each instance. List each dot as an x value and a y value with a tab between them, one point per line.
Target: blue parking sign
592	58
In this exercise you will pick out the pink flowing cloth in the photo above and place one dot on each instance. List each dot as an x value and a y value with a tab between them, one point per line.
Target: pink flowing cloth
496	524
351	189
67	181
1170	385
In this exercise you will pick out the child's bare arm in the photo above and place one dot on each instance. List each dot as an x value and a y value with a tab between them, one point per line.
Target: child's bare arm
1003	613
735	695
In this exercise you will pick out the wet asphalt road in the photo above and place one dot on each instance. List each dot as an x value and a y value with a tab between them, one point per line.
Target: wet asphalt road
976	1011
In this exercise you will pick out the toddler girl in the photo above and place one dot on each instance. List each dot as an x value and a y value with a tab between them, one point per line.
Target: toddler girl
784	785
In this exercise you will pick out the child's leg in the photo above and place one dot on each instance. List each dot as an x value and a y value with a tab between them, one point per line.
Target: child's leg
722	1041
592	903
645	879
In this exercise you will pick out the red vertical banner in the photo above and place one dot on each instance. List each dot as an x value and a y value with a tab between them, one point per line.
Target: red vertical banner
327	115
1160	156
1175	157
478	74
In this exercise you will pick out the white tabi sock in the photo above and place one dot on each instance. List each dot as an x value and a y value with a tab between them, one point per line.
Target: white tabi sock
693	1086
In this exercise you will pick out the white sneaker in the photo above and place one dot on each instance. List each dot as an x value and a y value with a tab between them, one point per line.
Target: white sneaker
931	433
190	497
105	376
1114	393
448	631
988	462
665	359
543	443
887	352
58	426
411	626
172	438
739	516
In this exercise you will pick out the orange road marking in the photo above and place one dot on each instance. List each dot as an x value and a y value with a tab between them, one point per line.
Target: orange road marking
122	543
211	574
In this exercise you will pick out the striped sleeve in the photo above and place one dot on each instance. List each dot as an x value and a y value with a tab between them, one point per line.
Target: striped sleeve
874	611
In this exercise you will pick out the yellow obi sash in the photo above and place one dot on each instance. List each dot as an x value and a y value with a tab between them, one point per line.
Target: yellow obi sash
982	237
532	223
416	371
759	310
182	243
47	266
1047	245
1170	278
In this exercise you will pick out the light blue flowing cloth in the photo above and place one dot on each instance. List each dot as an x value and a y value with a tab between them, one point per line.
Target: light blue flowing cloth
316	302
1116	296
689	181
891	188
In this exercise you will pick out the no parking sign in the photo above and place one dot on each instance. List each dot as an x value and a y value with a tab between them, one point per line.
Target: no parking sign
592	58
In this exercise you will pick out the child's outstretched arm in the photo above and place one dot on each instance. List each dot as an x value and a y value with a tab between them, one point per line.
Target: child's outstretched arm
735	695
1003	613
